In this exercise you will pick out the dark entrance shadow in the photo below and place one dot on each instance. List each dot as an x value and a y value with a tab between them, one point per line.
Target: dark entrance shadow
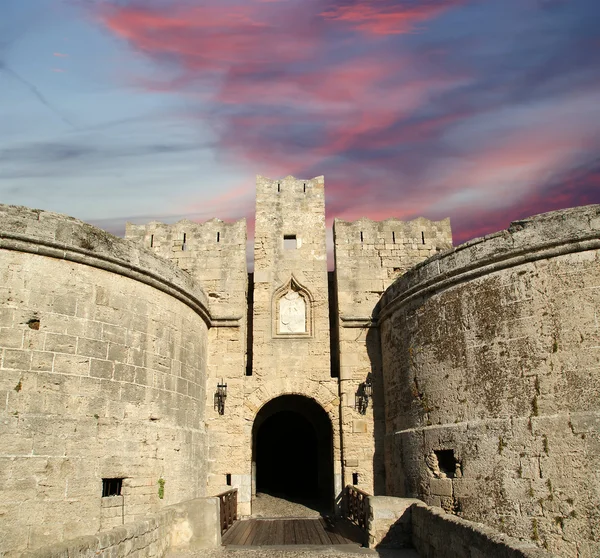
293	452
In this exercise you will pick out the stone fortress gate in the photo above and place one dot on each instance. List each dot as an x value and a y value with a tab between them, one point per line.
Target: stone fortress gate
302	344
467	377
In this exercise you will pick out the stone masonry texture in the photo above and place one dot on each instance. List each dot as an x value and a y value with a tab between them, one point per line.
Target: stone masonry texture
483	362
102	375
491	372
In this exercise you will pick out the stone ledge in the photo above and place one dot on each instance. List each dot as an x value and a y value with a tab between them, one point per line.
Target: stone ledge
189	525
542	236
405	522
58	236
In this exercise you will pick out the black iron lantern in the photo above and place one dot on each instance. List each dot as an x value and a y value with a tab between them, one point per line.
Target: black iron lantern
220	396
363	395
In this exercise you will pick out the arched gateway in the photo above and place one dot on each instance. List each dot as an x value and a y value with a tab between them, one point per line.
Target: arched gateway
292	451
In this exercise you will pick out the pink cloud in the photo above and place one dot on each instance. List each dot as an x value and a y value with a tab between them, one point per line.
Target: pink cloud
384	18
281	103
208	37
60	55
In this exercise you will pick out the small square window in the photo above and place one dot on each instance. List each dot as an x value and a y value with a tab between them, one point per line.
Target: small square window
290	242
111	487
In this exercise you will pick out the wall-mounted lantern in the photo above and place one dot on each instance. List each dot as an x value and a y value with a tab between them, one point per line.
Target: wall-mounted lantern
220	396
363	394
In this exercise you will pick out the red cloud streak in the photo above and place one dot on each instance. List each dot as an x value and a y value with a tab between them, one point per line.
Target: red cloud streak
381	18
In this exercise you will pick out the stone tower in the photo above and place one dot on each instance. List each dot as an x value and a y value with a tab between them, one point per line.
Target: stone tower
290	307
290	311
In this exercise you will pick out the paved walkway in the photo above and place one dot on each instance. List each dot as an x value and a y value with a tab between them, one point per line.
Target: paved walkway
351	551
269	505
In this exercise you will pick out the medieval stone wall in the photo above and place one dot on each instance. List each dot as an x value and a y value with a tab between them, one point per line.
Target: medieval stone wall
369	256
492	374
214	254
291	343
102	376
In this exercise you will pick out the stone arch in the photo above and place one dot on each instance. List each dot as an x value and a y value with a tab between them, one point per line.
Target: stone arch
292	451
292	310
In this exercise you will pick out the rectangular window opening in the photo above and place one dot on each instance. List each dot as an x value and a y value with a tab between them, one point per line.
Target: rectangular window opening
305	187
111	487
422	237
447	462
290	242
218	237
354	479
228	479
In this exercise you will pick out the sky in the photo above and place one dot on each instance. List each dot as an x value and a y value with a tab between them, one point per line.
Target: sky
484	111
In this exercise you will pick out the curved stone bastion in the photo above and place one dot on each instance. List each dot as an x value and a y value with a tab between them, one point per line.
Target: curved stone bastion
102	380
491	360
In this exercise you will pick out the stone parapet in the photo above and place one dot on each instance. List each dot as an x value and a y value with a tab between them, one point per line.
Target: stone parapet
59	236
191	525
410	523
538	237
437	534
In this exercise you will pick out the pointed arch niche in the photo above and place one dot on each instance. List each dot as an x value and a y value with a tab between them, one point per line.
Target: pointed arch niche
292	310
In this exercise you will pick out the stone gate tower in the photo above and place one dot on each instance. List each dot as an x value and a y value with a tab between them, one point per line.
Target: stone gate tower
290	311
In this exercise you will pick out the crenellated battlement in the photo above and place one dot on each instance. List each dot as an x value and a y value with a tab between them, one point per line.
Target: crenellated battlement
417	234
267	188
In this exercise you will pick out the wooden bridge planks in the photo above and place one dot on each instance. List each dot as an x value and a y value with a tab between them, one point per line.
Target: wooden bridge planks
278	532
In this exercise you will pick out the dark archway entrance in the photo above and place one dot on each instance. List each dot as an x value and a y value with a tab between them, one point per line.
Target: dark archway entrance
293	451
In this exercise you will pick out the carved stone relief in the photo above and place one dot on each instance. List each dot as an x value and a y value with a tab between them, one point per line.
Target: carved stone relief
292	313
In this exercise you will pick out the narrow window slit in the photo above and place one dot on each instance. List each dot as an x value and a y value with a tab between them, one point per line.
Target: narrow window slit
305	187
393	237
218	237
354	479
228	479
184	241
111	487
278	187
151	241
422	237
361	236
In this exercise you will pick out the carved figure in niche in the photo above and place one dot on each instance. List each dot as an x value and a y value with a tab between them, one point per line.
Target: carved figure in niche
292	313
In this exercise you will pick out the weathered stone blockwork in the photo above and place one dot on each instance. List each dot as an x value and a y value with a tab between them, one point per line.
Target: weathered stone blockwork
102	375
369	256
290	256
214	254
434	533
191	525
482	359
491	374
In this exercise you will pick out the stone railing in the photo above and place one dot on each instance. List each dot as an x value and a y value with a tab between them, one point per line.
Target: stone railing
187	526
406	522
437	534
